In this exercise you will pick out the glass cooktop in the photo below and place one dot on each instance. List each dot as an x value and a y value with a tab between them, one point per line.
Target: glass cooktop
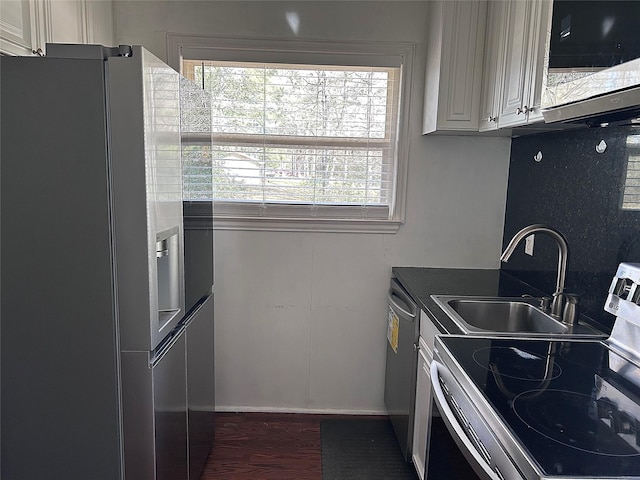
574	406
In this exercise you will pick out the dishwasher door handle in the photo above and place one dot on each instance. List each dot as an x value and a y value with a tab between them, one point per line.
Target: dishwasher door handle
400	308
458	433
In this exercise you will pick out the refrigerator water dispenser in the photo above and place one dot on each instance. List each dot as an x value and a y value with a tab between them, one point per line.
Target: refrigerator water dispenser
168	275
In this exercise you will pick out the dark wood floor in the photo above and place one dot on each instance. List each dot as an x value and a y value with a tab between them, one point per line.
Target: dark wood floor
261	446
266	447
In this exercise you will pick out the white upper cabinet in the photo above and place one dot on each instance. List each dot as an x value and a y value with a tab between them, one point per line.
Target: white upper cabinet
476	82
66	21
493	64
27	25
525	23
18	29
99	14
456	31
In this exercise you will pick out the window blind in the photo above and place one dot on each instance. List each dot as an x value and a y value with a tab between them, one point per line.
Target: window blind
294	140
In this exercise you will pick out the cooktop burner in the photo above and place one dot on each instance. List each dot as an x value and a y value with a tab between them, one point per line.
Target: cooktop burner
518	363
574	420
576	357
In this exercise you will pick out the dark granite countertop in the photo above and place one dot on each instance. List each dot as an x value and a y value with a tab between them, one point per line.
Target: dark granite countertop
421	283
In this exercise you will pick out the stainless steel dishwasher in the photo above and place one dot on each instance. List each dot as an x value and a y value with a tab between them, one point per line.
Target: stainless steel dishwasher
403	332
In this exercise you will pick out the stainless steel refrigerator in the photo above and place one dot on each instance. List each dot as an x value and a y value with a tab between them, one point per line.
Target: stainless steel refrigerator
100	354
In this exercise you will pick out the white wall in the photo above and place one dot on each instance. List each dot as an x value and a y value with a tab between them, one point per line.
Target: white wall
301	317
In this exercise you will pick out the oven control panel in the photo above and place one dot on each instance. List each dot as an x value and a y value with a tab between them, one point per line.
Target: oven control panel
623	300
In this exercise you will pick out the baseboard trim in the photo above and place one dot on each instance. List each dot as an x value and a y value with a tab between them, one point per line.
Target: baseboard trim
323	411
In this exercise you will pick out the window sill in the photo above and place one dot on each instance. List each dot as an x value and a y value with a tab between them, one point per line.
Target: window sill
291	224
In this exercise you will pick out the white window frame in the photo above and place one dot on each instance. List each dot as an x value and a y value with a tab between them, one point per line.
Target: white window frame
212	47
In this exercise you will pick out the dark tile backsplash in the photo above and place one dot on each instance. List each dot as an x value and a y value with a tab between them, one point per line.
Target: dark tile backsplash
586	195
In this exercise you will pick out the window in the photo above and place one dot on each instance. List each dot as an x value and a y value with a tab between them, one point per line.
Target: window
631	187
309	135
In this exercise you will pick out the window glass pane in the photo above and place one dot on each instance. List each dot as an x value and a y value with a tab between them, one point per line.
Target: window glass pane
631	187
197	173
271	100
301	175
195	120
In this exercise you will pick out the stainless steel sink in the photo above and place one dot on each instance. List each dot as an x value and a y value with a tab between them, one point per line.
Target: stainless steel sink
499	315
505	316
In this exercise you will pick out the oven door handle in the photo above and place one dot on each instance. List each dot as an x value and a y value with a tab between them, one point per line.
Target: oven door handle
460	436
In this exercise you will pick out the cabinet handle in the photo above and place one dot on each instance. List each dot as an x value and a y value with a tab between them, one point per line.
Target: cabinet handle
492	119
520	111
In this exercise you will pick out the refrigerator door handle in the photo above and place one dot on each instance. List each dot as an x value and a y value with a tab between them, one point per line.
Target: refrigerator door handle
159	353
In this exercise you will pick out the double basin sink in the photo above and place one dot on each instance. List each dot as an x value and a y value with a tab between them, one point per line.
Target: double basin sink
506	316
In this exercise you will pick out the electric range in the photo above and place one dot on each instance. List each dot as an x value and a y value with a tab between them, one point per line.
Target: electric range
547	408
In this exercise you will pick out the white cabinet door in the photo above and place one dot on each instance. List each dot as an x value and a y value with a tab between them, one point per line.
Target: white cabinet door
17	27
516	64
539	38
422	418
67	21
100	22
454	65
527	23
422	414
493	60
80	21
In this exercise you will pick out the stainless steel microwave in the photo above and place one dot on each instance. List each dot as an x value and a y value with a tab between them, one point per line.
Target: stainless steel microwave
592	70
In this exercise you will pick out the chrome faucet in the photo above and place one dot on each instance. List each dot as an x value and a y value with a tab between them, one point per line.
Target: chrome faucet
559	296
